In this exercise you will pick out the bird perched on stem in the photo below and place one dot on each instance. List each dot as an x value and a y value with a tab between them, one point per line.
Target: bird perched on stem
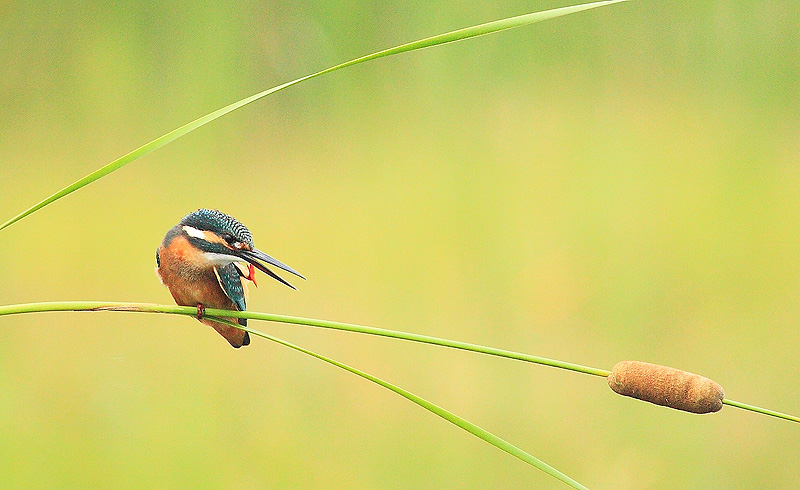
204	261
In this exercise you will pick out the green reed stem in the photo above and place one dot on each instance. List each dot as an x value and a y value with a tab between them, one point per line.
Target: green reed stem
192	311
449	37
756	409
311	322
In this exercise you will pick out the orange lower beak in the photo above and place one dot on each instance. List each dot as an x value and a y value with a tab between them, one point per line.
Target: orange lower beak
252	276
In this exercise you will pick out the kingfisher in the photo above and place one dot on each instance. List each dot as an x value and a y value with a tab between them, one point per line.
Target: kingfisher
206	260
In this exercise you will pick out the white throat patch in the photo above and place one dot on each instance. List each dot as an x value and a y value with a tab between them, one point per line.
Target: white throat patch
221	259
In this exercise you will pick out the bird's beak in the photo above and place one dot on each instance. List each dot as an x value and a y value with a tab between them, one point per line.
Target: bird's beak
256	257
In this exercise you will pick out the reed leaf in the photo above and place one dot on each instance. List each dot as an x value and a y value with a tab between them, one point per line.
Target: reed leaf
448	37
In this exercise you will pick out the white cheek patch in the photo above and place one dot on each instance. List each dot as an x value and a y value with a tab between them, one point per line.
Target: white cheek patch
211	257
194	232
204	235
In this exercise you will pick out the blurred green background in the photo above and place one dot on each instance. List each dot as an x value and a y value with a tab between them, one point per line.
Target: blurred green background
623	183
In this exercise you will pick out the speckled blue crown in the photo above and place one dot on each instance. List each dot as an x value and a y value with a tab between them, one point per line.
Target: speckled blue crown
217	221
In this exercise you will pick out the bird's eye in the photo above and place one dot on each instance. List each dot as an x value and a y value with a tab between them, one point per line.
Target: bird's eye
228	238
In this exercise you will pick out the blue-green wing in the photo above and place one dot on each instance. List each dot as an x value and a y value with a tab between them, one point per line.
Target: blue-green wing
230	280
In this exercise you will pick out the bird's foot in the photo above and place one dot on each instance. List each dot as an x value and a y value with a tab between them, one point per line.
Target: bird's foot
201	311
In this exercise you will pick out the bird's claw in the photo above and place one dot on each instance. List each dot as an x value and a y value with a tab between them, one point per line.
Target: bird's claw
201	311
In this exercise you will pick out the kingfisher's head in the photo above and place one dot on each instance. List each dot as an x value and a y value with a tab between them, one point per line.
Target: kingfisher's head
224	240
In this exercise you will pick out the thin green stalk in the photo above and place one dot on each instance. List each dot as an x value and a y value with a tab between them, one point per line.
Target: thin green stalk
191	311
756	409
312	322
425	339
449	37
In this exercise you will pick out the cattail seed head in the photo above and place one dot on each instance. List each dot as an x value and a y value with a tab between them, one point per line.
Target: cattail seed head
666	386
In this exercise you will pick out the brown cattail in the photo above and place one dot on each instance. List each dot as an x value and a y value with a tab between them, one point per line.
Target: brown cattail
666	386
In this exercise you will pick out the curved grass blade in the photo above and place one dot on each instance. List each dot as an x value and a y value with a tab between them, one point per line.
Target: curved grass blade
432	407
449	37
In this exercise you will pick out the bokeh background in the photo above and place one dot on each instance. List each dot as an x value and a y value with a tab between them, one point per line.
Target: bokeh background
623	183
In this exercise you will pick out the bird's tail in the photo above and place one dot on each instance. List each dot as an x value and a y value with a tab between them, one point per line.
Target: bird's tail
236	337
